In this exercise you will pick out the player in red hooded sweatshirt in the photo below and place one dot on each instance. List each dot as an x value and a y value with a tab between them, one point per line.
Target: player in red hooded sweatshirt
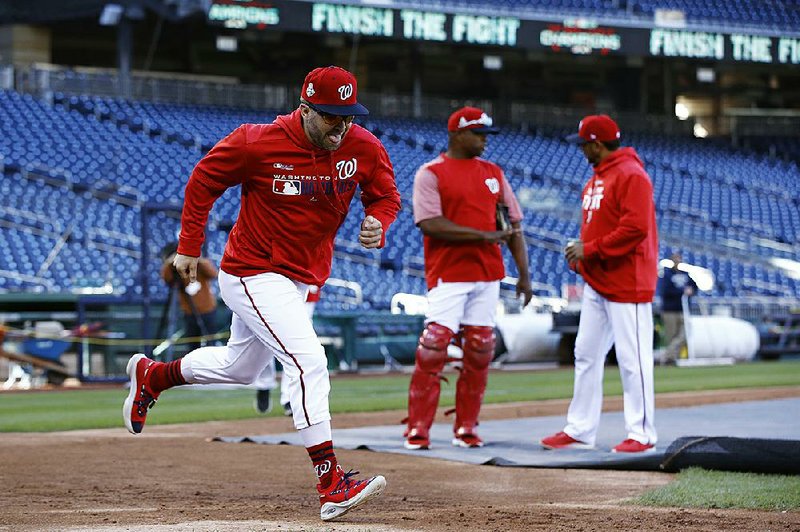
617	257
298	176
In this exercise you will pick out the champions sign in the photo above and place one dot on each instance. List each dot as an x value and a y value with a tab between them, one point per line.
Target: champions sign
580	40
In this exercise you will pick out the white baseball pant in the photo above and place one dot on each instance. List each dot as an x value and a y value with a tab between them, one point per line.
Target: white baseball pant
269	320
629	327
268	379
463	303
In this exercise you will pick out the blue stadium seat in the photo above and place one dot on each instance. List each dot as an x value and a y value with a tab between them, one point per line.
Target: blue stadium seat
88	146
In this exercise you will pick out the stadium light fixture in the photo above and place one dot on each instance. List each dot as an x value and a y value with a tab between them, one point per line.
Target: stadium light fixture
492	62
111	15
700	131
682	111
227	43
703	277
706	75
790	267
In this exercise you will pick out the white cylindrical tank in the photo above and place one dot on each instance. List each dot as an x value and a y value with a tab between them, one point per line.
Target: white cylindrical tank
722	336
529	337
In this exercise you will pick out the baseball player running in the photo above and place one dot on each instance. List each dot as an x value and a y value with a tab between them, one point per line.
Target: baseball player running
617	256
455	205
298	176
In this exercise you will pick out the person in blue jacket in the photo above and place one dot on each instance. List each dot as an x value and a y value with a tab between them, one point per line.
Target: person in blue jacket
673	286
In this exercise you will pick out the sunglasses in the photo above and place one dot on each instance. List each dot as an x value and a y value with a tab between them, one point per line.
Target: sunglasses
330	119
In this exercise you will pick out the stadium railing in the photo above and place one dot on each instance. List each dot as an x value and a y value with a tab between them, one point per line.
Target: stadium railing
748	308
46	80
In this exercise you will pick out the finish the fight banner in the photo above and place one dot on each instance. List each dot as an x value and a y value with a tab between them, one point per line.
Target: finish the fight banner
578	36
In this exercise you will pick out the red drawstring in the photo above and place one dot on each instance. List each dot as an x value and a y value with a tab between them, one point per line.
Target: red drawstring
339	203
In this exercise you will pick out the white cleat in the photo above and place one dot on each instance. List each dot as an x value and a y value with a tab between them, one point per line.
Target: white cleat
339	501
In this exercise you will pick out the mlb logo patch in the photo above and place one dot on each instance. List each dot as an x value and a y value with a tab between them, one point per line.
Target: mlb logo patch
286	187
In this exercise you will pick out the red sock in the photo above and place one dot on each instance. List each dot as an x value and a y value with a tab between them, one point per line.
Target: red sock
163	376
324	462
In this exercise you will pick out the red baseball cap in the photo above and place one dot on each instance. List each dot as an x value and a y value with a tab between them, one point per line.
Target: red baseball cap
595	127
471	118
332	90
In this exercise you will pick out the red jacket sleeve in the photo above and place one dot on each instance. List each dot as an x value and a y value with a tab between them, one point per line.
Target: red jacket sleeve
223	167
636	202
379	193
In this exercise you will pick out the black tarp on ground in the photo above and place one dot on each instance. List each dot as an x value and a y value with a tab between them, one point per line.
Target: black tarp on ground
514	442
751	455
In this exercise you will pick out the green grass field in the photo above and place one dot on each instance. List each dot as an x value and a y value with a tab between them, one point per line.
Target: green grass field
87	409
698	488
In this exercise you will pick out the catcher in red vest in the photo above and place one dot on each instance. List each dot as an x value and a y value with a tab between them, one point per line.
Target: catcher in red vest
457	197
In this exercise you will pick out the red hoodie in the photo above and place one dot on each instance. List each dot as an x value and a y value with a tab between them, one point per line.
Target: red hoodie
295	197
619	230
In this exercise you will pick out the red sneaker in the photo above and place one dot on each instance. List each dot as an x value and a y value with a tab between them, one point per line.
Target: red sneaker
345	493
633	446
467	439
562	440
140	397
417	439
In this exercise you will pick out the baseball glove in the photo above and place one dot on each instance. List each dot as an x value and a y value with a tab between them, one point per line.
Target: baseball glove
502	217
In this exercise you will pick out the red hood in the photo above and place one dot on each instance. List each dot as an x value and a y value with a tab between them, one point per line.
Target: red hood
617	157
292	124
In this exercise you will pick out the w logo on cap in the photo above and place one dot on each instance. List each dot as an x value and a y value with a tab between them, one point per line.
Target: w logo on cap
346	91
482	120
332	90
471	119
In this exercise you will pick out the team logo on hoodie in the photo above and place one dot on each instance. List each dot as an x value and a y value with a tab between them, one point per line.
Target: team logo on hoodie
286	187
310	186
492	184
347	169
592	199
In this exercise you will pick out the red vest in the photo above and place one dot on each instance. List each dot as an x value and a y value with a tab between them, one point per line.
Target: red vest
470	190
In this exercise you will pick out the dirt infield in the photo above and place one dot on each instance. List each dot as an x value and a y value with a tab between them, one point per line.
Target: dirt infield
172	478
